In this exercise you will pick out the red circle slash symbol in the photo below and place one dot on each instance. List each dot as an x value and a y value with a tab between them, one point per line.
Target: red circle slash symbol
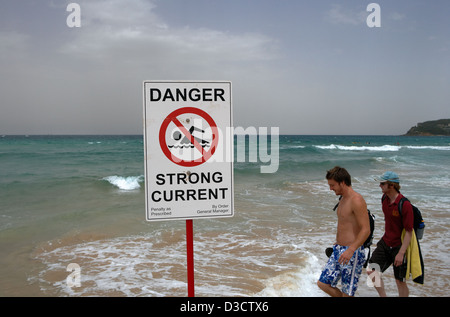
188	146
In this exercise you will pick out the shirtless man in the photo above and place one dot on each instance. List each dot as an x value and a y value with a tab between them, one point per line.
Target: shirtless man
353	228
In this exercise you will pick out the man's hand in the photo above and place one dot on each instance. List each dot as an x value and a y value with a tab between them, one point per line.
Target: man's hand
346	256
399	258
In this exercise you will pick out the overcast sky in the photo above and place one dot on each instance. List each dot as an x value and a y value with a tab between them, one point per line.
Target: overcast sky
307	67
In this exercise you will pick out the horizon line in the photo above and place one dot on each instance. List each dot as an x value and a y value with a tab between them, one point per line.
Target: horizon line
237	134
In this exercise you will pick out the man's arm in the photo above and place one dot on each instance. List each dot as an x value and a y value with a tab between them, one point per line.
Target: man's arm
407	220
401	253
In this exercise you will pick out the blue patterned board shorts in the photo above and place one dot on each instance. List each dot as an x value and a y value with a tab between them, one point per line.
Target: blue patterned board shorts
348	273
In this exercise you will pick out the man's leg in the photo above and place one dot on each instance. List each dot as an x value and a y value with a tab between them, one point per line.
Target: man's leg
330	290
403	290
330	275
351	272
377	282
400	274
378	263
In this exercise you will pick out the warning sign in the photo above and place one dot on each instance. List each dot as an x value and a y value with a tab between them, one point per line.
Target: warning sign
187	130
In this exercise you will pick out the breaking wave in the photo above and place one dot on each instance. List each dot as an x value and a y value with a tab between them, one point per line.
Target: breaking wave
125	183
382	148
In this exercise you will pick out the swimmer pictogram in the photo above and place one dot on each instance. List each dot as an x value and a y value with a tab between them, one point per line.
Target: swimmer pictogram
184	142
188	136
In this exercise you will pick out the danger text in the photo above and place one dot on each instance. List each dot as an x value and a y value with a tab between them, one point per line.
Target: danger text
193	94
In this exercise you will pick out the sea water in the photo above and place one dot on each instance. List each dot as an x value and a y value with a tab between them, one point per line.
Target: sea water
80	200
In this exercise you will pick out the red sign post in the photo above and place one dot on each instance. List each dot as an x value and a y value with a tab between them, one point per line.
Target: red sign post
190	257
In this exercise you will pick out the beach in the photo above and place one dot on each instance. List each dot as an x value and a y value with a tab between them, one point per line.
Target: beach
80	199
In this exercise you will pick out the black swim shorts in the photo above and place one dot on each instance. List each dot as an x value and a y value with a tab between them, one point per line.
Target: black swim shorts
384	256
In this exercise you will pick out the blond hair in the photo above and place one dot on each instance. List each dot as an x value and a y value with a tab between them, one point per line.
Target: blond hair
395	185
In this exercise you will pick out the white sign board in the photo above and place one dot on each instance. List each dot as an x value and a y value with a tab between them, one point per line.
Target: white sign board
188	145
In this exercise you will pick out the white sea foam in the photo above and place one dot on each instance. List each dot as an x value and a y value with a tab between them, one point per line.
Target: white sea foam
125	183
439	148
288	146
299	283
382	148
154	265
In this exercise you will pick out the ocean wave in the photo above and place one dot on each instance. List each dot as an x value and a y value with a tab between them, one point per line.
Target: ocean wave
429	147
382	148
151	265
125	183
301	282
288	147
